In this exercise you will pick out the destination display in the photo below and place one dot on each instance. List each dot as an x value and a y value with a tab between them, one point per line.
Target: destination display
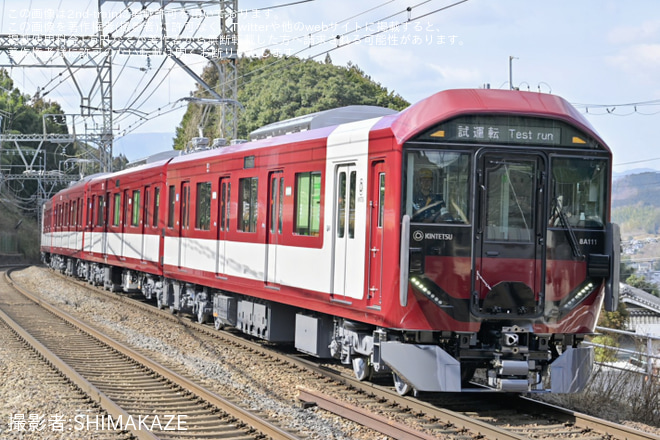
508	130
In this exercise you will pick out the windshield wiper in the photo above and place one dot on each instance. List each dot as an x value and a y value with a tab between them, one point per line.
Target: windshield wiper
572	240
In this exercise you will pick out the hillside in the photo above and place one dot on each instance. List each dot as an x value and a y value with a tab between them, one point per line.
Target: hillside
636	204
635	188
274	89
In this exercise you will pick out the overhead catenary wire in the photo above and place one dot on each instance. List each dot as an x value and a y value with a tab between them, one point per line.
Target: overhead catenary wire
137	22
611	109
339	37
277	63
145	119
302	37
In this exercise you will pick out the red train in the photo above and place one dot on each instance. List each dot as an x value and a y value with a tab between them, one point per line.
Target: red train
468	232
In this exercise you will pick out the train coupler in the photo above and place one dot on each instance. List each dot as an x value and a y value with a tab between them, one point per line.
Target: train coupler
512	376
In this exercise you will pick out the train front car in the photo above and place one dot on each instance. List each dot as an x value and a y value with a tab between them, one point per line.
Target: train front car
506	250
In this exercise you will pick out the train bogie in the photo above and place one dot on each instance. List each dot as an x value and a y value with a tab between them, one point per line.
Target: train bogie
467	233
151	286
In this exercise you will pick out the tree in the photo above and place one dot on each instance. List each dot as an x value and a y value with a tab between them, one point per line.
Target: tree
616	320
641	283
277	88
22	114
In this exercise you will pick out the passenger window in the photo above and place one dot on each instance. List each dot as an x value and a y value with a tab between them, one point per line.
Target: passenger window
381	199
128	203
135	218
185	206
156	206
203	207
99	212
351	206
341	205
90	214
147	205
308	204
225	194
248	204
117	208
74	213
170	208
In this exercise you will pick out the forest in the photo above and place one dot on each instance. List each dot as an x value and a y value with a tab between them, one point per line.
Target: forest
273	89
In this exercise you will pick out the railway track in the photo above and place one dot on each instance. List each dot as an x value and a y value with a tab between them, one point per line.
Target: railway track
139	395
501	416
20	364
457	416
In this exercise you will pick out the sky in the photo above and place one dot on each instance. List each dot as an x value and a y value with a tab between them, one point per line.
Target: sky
603	56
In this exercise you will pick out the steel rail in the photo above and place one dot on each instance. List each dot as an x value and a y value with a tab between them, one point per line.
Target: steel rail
586	421
88	388
445	415
363	417
256	422
464	422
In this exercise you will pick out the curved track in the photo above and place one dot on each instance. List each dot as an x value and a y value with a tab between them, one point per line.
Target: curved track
447	415
144	397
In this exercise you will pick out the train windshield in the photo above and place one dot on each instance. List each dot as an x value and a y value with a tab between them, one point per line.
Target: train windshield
579	192
437	186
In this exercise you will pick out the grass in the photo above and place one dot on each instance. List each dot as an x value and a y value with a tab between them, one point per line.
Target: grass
617	395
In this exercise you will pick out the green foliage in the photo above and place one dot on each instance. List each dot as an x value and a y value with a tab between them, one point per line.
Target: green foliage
605	354
274	89
644	187
636	203
23	114
641	283
616	320
637	218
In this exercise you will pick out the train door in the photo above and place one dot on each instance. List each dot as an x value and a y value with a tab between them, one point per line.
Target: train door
184	226
345	245
274	227
376	236
126	200
145	222
510	259
223	224
105	220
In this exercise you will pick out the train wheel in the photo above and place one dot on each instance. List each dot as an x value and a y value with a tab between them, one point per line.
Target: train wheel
159	302
217	323
361	368
401	386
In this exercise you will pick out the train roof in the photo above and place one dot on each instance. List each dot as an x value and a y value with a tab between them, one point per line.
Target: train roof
407	124
325	118
449	104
